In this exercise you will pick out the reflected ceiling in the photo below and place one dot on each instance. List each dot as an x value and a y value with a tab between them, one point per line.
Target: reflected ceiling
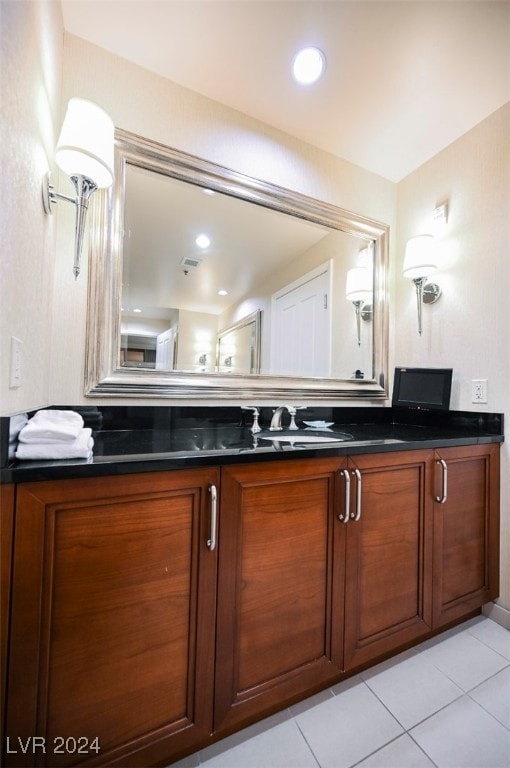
163	217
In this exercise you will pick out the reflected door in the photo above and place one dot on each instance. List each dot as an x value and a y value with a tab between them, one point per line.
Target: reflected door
300	343
165	350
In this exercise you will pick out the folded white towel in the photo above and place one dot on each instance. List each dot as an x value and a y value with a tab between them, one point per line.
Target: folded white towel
81	448
52	427
16	424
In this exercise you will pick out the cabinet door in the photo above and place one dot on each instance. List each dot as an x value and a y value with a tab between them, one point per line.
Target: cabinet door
466	530
113	616
279	624
387	554
6	540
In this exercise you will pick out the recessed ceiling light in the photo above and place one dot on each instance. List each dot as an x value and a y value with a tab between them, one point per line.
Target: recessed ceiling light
222	292
137	310
308	66
203	241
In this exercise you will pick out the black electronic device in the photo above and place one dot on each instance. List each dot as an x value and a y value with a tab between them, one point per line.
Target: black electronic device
426	389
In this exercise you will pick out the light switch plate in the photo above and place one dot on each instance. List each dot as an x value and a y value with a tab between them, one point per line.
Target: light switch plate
15	370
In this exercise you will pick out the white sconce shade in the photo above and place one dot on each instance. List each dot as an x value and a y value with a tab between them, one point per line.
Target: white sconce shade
420	259
358	286
85	152
85	145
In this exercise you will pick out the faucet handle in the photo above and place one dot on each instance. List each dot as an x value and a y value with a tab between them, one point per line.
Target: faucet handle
256	413
292	412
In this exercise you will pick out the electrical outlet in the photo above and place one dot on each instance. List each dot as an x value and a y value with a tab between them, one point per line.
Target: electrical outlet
15	370
479	391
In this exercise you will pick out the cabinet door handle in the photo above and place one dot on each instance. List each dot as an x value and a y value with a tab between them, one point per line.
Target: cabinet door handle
357	475
345	517
211	543
444	491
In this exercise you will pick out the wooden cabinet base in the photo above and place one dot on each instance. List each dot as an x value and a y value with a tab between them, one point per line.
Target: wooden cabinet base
112	636
279	616
388	556
466	530
145	627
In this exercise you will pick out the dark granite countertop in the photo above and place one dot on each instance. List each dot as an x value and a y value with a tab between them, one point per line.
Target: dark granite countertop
144	439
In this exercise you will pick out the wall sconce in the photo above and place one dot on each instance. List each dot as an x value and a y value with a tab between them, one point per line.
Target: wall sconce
85	152
419	263
358	289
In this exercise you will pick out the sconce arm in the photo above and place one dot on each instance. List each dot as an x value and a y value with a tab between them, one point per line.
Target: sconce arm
426	293
419	283
84	188
357	307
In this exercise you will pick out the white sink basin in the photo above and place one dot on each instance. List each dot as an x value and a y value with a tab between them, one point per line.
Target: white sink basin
297	438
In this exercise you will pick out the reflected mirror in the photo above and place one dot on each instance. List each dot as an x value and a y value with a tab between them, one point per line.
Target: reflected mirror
238	347
205	282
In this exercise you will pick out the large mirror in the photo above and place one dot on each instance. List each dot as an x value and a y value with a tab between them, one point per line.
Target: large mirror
205	283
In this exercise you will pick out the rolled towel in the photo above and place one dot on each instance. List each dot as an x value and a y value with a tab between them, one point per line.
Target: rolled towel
81	448
50	426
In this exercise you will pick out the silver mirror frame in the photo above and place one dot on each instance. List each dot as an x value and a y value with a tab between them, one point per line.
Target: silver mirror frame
104	377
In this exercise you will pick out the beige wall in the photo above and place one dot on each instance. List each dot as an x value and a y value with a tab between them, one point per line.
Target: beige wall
469	328
31	65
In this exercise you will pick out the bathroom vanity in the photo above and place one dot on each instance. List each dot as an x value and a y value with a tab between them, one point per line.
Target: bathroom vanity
163	599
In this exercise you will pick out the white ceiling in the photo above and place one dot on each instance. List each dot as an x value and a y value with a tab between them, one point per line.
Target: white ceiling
403	79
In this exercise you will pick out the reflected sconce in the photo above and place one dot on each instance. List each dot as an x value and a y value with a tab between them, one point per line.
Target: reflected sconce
420	261
84	152
358	289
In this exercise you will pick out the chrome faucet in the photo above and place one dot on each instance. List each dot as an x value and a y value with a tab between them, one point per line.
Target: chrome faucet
276	421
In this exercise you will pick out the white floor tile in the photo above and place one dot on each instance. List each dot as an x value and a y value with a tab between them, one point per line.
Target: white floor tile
494	696
465	660
493	635
463	735
348	728
401	753
413	690
280	747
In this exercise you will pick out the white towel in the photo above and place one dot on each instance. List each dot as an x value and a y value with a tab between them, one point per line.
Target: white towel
52	427
81	448
16	424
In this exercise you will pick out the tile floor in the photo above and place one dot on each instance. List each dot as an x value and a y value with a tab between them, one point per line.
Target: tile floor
445	703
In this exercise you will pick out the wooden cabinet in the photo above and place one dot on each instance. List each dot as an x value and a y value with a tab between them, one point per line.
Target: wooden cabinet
466	530
129	626
112	638
307	592
6	541
280	585
388	554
